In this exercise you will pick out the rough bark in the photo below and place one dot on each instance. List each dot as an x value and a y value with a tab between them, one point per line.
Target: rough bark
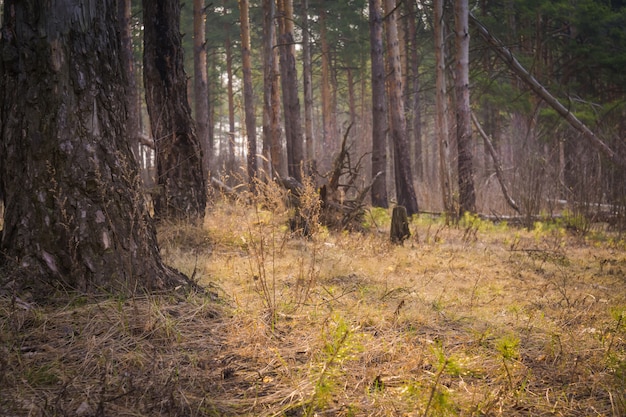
379	106
248	91
467	194
74	216
181	187
405	192
200	83
272	134
289	84
507	56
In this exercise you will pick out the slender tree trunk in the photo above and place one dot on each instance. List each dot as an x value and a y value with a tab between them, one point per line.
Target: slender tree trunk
414	92
405	192
329	134
379	107
467	194
248	91
74	218
289	83
307	76
200	81
230	162
272	134
441	120
132	98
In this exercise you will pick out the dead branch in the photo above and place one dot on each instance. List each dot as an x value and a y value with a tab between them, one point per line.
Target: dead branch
496	163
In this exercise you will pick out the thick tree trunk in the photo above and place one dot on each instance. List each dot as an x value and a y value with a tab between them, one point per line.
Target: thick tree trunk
405	192
272	144
289	84
379	107
200	83
467	195
248	91
181	190
74	216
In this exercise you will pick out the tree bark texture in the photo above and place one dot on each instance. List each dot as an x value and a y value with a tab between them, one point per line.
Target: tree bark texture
467	194
405	192
379	106
441	119
74	215
248	91
201	86
181	186
289	84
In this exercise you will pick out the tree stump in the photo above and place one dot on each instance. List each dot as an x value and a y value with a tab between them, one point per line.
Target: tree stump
399	225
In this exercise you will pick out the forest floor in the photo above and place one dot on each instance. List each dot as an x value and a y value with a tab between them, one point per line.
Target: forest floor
472	319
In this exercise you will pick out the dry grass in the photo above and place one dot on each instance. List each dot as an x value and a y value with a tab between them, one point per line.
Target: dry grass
474	319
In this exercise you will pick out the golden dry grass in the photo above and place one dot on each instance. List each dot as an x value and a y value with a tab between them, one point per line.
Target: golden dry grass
468	320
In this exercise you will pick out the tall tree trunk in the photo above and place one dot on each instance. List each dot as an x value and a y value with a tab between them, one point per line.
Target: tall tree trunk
230	158
467	194
441	119
200	82
74	216
182	191
329	134
248	91
307	75
132	98
414	92
289	84
272	144
405	192
379	107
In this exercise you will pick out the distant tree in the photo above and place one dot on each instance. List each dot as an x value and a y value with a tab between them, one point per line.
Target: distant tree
200	83
307	82
181	189
467	194
272	144
441	111
289	84
128	66
248	91
379	106
405	191
74	216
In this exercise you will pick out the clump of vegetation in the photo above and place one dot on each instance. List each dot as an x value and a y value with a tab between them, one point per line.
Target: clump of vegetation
468	319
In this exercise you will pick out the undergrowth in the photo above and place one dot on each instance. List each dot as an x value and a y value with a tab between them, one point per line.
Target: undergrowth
466	319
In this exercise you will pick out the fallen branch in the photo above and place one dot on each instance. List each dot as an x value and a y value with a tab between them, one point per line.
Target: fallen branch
507	56
497	165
